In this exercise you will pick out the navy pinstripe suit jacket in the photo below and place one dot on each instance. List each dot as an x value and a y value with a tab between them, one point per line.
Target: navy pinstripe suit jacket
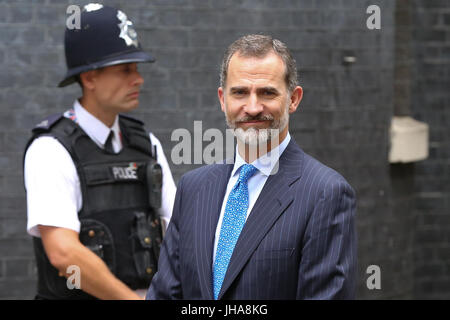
299	241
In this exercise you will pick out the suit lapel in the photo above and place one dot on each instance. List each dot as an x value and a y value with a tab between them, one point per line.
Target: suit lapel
273	200
208	204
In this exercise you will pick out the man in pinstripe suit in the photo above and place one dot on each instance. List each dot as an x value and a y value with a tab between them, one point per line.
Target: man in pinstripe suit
297	238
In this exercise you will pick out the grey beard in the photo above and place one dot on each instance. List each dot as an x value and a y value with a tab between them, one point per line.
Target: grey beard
255	137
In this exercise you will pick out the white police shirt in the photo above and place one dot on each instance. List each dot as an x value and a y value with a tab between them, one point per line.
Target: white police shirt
52	182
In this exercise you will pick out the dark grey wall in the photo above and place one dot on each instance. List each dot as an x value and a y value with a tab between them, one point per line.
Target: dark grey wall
431	104
343	120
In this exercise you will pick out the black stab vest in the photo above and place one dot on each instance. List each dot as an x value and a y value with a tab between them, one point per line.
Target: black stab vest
120	193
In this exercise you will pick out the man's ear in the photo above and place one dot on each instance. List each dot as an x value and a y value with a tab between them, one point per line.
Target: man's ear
88	79
221	95
296	97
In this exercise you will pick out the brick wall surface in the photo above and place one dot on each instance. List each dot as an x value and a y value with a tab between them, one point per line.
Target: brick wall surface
343	119
431	104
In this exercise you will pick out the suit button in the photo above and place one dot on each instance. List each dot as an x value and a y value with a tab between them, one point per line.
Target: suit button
91	233
149	270
147	240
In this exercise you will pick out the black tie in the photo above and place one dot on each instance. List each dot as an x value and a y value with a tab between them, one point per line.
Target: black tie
108	144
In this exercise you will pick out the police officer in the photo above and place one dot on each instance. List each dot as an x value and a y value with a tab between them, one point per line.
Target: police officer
98	185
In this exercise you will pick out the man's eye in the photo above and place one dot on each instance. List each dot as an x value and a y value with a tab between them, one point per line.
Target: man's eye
127	69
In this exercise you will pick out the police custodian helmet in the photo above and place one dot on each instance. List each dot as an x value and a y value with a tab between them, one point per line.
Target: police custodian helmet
106	37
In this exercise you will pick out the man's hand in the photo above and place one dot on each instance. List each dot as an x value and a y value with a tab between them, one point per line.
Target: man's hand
64	248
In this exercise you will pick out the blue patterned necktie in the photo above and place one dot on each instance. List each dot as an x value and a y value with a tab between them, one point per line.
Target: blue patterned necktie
232	224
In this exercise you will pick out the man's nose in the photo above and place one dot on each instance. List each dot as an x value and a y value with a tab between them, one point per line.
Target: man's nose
138	80
253	107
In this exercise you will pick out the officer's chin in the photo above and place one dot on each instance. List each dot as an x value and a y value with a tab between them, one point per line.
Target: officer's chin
130	105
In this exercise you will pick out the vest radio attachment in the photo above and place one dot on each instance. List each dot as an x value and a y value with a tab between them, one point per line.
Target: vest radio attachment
154	183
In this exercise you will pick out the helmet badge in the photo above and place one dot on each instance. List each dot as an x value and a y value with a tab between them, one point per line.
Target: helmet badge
127	31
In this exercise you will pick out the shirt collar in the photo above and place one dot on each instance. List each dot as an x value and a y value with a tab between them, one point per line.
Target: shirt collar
265	163
94	128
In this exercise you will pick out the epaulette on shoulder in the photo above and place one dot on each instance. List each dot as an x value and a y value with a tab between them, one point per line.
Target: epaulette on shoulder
127	117
46	124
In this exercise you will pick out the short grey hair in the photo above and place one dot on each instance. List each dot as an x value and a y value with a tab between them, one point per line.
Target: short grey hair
256	45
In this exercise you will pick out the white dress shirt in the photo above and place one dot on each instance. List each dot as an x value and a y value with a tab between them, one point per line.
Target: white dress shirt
265	164
52	182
